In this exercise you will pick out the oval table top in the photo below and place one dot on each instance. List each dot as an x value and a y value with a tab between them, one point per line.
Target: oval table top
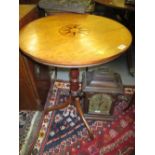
74	40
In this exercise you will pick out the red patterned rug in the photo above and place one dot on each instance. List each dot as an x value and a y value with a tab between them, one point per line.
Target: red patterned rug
63	133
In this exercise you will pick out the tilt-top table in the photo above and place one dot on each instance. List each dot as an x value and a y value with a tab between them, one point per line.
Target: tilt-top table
74	41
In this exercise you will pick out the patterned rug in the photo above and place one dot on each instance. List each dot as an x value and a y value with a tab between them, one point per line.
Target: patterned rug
63	133
28	124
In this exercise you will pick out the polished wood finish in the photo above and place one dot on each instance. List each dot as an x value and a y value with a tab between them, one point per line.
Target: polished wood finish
28	96
73	99
74	40
59	106
27	13
120	4
33	88
79	109
74	81
75	94
24	10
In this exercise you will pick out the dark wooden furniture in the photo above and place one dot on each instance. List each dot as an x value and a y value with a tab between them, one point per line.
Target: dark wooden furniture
33	86
101	88
28	1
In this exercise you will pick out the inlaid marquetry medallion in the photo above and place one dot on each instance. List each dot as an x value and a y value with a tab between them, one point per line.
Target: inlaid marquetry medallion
72	30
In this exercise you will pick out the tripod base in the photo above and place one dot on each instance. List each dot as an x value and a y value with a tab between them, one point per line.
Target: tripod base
73	99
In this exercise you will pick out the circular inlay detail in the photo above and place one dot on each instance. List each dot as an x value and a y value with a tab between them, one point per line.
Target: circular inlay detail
72	30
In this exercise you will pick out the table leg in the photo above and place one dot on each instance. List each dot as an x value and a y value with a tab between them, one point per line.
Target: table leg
59	106
74	98
74	89
79	109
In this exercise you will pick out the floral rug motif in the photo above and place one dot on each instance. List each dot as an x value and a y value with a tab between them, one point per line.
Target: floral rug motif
63	133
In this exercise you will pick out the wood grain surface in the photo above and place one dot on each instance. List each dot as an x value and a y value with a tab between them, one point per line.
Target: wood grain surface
74	40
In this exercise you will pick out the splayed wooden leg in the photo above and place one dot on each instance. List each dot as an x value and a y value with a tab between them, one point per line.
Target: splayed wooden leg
79	109
74	98
60	106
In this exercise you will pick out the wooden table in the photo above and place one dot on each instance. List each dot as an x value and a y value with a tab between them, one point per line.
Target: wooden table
74	41
116	4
